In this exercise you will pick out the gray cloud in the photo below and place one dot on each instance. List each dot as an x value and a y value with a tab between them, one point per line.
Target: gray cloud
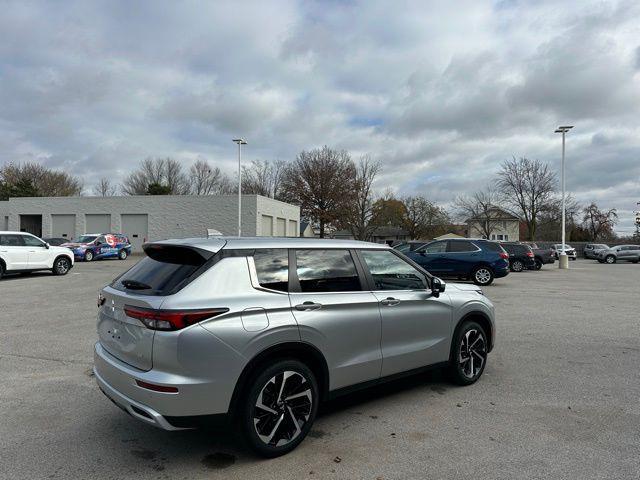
441	92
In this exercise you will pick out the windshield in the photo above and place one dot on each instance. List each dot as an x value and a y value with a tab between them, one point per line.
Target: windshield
87	238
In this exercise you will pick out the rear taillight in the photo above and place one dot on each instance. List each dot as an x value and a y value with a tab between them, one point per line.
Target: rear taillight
171	319
530	254
504	255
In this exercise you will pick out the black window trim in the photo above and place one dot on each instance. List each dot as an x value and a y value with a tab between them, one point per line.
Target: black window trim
369	277
294	281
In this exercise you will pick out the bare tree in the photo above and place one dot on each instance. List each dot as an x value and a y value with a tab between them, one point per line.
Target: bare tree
207	180
104	188
41	180
599	223
359	217
263	178
528	187
321	181
165	172
423	219
480	211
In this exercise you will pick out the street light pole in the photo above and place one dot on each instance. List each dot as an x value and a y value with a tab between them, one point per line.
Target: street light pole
240	142
563	260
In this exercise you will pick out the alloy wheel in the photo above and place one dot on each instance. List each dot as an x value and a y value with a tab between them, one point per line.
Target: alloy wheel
610	259
472	353
517	266
62	266
483	275
282	408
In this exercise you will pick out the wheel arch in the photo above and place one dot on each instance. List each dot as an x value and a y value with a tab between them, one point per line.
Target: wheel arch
62	255
482	319
302	351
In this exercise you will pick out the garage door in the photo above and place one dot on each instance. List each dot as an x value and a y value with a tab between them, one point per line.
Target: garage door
293	229
63	226
281	227
136	227
267	226
98	223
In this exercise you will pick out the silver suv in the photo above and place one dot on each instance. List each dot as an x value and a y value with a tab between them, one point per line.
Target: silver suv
627	253
261	330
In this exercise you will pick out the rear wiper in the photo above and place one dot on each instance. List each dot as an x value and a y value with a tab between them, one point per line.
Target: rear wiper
135	285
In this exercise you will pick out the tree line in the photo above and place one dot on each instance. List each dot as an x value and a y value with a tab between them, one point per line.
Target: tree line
336	192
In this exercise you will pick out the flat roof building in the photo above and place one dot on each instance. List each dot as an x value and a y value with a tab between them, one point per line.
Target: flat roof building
149	217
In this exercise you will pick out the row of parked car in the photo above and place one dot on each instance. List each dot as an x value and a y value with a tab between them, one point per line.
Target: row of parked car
22	252
605	254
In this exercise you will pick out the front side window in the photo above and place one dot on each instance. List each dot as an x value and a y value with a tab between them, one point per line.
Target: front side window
326	271
392	273
30	241
436	247
272	267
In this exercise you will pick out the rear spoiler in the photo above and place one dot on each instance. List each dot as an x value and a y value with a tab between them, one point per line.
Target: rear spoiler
181	254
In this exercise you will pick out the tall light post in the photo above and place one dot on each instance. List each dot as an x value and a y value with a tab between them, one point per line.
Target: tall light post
563	260
240	142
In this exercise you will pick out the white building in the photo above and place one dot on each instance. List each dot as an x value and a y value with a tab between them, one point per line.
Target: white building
149	217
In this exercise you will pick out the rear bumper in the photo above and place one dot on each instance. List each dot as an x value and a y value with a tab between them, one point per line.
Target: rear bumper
196	397
133	408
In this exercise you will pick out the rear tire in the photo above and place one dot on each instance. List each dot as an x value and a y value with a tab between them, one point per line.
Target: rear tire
61	266
610	259
468	353
482	276
88	256
1	270
122	254
538	264
279	408
517	266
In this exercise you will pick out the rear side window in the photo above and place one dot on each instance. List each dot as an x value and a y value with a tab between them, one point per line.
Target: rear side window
326	271
11	240
435	247
163	272
272	267
392	273
493	247
461	246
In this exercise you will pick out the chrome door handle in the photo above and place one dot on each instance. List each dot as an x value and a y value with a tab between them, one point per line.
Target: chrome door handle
390	301
308	306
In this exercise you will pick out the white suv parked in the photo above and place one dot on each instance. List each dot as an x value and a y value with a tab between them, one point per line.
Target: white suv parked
23	252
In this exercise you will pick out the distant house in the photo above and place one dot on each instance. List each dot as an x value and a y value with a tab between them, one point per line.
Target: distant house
501	226
306	230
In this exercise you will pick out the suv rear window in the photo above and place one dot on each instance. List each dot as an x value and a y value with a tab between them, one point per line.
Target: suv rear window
493	247
272	267
461	246
164	271
327	271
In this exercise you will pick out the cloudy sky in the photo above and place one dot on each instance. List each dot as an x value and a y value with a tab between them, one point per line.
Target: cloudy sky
439	92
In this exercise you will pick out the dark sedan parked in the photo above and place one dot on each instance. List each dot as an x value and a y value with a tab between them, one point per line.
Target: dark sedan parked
541	256
55	242
521	256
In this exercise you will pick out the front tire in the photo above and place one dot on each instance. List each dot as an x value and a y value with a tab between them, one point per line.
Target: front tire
482	276
122	254
610	259
1	270
88	256
279	408
61	266
517	266
468	353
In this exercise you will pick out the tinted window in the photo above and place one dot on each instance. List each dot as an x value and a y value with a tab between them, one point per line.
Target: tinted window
30	241
435	247
272	266
326	271
392	273
493	246
11	240
461	246
165	270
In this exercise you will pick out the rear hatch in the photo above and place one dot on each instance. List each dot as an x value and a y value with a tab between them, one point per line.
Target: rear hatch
167	268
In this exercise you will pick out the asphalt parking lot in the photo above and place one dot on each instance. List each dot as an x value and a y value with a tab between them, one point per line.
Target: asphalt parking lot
559	397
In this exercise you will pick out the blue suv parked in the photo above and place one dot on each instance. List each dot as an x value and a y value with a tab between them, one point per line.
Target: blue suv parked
478	260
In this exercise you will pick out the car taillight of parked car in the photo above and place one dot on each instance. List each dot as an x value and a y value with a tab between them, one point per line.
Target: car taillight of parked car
530	254
171	320
504	255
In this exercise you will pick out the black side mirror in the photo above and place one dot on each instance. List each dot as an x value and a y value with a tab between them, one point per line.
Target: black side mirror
437	286
46	245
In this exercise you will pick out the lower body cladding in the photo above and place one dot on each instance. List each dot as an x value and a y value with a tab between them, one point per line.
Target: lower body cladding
195	401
